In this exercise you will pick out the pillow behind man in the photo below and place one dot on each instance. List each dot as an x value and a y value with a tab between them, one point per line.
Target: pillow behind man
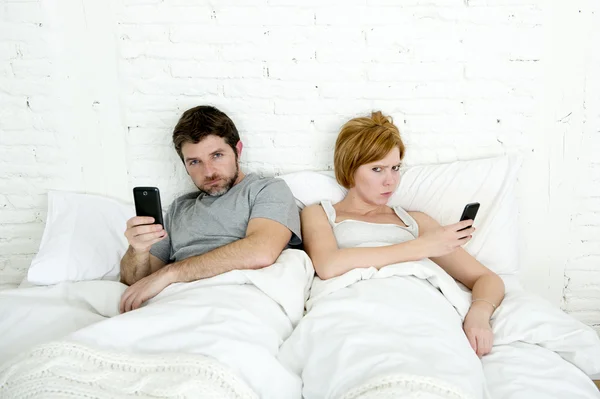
83	239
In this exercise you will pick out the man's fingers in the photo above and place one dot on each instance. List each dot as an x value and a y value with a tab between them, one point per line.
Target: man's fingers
148	237
129	301
121	305
147	229
124	300
137	220
124	297
160	238
136	303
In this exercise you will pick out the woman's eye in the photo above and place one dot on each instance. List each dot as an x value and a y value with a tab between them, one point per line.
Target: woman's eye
396	168
376	169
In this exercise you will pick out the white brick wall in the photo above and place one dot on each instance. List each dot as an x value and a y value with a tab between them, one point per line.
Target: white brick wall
582	271
91	90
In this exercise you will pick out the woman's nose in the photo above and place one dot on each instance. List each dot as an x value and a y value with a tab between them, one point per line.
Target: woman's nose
389	180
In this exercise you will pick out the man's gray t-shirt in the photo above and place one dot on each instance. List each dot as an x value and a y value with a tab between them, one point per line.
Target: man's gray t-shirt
197	223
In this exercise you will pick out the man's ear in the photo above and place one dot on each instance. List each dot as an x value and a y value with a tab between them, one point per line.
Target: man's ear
239	147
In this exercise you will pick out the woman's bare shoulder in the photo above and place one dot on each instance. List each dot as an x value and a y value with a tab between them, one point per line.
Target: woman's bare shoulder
312	212
424	221
311	208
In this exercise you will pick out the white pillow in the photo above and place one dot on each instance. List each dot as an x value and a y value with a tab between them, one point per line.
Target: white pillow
83	239
442	191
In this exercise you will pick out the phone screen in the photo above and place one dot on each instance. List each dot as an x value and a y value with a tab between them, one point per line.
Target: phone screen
147	203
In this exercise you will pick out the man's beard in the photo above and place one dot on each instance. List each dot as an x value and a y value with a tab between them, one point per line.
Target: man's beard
228	184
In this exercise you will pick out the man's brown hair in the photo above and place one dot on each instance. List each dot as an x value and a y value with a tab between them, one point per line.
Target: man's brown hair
199	122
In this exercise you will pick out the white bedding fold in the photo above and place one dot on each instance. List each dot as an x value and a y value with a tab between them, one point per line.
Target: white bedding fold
238	319
403	323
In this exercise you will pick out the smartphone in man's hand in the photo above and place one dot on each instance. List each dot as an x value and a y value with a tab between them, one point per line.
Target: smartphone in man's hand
147	203
469	213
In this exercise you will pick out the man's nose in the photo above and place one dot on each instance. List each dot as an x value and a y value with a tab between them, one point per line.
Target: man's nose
209	170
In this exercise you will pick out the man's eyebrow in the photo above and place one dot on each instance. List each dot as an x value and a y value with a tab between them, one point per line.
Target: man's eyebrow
218	150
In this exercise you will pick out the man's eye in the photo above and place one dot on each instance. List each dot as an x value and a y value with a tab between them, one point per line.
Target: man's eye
193	162
218	155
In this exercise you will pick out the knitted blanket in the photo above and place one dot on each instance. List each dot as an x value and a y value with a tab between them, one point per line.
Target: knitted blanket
69	370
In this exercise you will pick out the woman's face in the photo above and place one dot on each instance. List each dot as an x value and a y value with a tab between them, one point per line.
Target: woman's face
375	182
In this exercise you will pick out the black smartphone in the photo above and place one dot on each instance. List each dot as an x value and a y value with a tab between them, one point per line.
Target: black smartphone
469	212
147	203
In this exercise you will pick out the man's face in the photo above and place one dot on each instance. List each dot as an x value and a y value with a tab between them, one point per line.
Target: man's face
212	164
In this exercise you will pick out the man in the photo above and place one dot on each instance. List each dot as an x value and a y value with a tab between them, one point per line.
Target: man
234	221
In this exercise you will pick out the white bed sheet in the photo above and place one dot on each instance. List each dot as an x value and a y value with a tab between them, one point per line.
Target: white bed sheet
35	315
397	331
238	318
525	371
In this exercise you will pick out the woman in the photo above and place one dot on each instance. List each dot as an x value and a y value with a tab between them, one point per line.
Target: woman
367	159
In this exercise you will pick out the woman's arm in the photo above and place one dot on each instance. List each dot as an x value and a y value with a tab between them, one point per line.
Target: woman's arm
330	261
486	286
484	283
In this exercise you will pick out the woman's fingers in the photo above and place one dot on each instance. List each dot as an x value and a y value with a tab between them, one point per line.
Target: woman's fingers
484	343
472	341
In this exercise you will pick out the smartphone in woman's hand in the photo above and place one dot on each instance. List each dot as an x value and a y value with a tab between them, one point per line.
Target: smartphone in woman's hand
469	213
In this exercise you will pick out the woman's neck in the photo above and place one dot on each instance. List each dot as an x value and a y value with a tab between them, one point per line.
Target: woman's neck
353	203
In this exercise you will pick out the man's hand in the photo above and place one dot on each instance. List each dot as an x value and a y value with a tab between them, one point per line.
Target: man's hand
145	289
141	234
479	332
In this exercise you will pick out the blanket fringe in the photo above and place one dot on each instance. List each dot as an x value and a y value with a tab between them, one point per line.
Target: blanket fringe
405	386
70	370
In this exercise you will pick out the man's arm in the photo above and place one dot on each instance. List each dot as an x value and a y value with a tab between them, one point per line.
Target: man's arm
137	262
136	265
264	241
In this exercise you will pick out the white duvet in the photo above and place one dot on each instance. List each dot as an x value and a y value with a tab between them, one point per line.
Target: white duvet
397	332
214	338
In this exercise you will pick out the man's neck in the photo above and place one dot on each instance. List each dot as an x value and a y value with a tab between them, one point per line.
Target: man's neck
241	176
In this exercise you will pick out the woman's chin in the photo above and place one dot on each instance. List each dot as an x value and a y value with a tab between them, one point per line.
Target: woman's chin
381	201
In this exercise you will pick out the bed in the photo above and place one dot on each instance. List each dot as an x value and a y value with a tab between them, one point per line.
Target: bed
396	332
246	334
62	334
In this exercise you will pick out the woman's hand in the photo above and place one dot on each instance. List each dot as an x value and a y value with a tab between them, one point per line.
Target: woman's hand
443	240
478	330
